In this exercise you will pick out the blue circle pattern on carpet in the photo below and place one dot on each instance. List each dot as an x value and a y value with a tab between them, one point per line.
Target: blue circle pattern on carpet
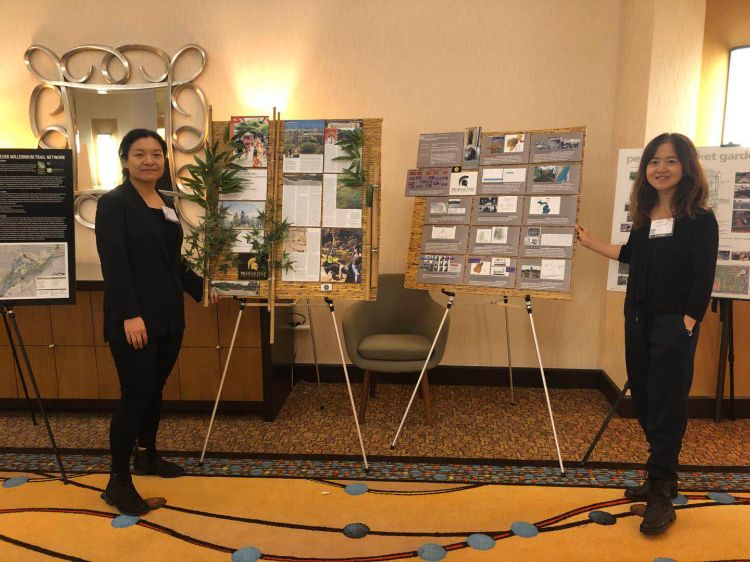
663	559
479	541
246	554
15	482
680	500
356	531
722	497
356	489
525	530
431	552
602	517
123	521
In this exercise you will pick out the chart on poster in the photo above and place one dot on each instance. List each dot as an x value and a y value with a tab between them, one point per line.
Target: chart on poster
317	175
37	250
727	171
495	211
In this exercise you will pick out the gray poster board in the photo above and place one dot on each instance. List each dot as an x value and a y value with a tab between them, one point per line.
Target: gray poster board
486	271
494	240
498	209
438	150
441	268
503	180
444	239
428	183
448	210
562	178
560	146
550	210
504	148
547	242
544	274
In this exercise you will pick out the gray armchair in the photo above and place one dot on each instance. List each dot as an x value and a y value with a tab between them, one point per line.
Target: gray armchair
394	334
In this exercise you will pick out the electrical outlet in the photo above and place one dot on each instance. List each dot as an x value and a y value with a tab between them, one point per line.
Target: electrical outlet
326	287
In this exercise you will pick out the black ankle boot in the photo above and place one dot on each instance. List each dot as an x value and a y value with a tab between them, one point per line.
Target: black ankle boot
122	494
660	512
642	491
149	462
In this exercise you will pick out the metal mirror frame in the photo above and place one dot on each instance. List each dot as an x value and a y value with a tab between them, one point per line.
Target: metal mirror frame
63	83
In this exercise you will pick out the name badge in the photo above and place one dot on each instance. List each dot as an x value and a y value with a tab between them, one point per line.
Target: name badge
169	214
661	228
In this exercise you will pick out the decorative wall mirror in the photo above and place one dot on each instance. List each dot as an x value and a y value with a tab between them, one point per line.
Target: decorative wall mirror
91	95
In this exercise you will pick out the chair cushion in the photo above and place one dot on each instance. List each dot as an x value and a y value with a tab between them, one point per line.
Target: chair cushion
395	347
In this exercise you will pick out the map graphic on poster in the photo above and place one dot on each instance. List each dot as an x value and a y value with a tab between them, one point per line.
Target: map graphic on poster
727	171
33	271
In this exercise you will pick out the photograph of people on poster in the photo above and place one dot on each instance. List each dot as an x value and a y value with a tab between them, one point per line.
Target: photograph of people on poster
333	134
341	255
303	146
249	136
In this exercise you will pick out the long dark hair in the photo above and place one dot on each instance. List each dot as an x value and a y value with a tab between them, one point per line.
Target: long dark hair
689	199
127	143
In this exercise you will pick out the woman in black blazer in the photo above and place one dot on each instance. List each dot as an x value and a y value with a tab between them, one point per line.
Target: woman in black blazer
671	252
139	240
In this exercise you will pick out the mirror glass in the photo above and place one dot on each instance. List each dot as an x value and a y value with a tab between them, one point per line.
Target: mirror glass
102	119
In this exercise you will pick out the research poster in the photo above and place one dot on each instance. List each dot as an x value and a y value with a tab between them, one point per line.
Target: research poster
500	208
727	171
37	247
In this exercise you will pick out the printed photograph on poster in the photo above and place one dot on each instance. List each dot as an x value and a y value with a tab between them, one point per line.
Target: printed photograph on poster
302	199
500	267
551	174
33	270
244	214
254	185
731	279
557	146
443	233
303	247
251	266
341	255
335	134
622	280
463	183
533	236
303	146
244	242
725	255
472	138
342	204
439	207
455	207
743	204
740	256
740	221
249	136
488	204
431	263
428	182
479	266
544	205
741	186
236	288
504	148
531	271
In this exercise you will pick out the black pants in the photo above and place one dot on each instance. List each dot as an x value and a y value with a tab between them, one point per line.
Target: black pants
142	373
659	355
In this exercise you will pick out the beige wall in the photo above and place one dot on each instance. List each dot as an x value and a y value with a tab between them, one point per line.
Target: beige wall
424	65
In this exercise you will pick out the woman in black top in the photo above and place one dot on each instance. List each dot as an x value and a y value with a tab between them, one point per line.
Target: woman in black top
672	252
139	240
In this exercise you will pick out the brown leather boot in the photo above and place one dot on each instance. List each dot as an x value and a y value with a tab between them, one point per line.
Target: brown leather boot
122	494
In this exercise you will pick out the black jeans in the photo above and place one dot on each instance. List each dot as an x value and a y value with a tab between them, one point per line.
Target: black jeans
659	355
142	374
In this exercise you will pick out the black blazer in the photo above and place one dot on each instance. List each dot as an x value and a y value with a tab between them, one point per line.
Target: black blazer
142	275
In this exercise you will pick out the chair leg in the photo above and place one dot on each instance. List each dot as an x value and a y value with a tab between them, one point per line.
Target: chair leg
363	397
425	387
373	384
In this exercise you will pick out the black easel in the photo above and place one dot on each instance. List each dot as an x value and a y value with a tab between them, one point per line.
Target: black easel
726	352
9	320
611	414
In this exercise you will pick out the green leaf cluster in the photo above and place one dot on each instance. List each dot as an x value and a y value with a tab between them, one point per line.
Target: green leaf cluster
351	142
273	233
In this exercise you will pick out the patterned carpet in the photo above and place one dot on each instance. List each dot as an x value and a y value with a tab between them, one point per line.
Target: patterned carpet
470	422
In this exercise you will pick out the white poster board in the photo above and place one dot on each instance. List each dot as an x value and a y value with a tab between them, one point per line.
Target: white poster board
728	173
